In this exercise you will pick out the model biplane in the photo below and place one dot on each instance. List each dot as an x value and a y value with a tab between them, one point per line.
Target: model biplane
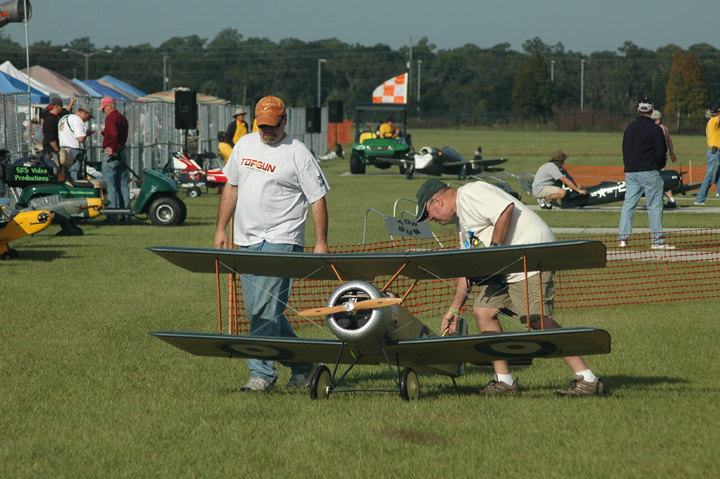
15	224
372	327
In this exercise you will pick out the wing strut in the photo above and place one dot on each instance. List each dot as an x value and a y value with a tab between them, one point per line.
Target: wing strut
394	277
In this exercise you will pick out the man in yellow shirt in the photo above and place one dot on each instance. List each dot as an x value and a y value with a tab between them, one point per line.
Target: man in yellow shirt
712	131
387	130
235	130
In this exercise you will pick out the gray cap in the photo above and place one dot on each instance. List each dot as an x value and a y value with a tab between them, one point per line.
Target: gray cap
559	155
424	193
656	115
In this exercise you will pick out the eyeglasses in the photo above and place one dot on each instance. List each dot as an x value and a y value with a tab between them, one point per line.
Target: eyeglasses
271	127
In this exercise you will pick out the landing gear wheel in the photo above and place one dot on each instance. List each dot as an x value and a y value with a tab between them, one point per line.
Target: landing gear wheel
165	211
9	254
194	192
320	383
403	169
357	167
409	385
410	172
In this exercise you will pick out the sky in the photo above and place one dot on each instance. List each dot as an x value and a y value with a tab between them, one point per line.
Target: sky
580	25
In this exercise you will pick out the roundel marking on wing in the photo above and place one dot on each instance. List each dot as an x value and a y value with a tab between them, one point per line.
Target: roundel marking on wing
252	350
508	348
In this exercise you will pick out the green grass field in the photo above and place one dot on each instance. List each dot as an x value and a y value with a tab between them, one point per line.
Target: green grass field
86	392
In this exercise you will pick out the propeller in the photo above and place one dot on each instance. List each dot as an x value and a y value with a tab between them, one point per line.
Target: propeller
351	306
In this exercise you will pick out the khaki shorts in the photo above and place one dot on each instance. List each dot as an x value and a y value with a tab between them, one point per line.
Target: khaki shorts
548	191
512	297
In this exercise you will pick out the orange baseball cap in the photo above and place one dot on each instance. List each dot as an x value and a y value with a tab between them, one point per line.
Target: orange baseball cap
269	111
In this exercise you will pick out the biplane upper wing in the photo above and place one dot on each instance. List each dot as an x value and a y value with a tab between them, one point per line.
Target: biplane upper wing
430	354
556	256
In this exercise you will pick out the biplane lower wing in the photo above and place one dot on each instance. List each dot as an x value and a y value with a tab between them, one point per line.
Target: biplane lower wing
431	354
556	256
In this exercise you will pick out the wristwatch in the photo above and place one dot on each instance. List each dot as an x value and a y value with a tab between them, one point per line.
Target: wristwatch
492	243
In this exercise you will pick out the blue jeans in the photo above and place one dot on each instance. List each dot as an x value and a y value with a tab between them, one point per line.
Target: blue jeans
711	175
75	168
651	184
265	298
116	175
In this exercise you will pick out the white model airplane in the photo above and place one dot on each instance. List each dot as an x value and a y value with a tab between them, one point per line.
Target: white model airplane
374	328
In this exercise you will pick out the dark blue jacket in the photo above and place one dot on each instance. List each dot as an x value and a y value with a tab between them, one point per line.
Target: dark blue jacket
644	147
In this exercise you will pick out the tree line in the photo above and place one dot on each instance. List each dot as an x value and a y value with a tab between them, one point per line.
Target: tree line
536	81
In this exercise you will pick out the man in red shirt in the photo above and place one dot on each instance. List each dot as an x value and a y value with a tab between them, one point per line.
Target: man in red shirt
114	165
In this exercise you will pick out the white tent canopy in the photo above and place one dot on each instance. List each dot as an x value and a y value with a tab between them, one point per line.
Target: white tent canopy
10	70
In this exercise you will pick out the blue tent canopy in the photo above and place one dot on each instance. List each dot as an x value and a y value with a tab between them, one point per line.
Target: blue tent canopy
9	84
123	86
105	90
89	90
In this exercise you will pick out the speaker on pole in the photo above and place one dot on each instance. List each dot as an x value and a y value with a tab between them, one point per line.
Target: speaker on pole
313	119
14	12
186	114
335	111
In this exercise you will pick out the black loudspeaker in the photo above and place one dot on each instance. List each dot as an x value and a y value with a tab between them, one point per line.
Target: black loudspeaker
313	119
186	112
14	12
335	111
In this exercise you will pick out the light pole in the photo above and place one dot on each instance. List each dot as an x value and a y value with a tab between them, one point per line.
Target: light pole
165	78
582	83
552	71
320	62
87	56
418	87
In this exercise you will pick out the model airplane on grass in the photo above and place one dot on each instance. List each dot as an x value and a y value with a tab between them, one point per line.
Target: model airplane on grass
371	325
447	161
613	191
15	224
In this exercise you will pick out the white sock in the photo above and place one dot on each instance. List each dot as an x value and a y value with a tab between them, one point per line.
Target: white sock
587	375
506	378
671	200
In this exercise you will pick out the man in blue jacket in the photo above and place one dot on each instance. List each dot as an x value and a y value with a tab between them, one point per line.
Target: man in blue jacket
644	155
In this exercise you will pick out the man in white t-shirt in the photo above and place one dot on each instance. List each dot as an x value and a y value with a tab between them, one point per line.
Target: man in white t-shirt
72	133
272	178
488	215
547	185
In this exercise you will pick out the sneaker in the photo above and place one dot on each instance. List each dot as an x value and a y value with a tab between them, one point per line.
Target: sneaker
258	385
699	204
622	244
543	204
301	381
662	246
670	205
580	387
499	387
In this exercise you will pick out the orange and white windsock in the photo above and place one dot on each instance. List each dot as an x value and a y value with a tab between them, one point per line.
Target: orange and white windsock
392	91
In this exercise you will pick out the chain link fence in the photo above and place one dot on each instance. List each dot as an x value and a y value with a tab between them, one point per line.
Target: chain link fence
152	137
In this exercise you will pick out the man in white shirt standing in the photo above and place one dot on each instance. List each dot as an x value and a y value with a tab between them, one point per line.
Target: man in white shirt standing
272	180
490	216
72	133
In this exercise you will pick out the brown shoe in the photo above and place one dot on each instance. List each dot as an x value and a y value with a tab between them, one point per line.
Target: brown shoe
580	387
499	387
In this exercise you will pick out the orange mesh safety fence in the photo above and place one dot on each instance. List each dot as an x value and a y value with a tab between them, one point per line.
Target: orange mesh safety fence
634	275
592	175
344	133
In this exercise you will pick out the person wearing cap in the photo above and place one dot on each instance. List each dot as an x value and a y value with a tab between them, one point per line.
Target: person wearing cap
72	133
644	155
235	130
50	120
272	180
712	174
547	185
488	215
114	164
657	118
387	130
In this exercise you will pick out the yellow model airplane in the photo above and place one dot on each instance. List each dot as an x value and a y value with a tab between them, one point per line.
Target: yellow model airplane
374	328
15	224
